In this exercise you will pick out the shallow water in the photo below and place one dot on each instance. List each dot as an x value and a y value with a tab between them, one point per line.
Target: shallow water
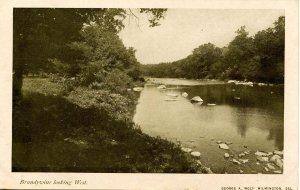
249	117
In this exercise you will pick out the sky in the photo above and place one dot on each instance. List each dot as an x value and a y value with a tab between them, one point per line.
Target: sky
183	30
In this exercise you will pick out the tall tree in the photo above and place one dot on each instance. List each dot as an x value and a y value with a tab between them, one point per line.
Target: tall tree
41	34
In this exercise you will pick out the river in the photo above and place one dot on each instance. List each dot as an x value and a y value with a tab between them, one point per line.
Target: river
251	118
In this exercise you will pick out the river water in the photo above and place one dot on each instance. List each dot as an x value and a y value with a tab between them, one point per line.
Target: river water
251	118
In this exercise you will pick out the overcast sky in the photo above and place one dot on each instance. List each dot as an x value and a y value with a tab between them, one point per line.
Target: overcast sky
183	30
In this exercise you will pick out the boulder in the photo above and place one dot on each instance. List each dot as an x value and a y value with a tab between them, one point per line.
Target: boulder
236	162
138	89
270	153
274	157
207	170
172	95
237	98
184	94
277	160
262	159
262	84
277	152
196	154
186	149
223	146
231	81
244	161
270	166
211	104
241	155
259	153
198	162
161	87
219	142
226	155
170	99
196	99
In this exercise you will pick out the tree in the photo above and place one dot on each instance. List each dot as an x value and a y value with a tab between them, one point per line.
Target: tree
240	51
270	47
42	34
101	51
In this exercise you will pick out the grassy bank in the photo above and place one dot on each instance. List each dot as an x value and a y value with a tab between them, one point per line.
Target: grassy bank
86	130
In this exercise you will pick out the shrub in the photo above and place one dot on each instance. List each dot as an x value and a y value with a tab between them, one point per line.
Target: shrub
114	105
117	81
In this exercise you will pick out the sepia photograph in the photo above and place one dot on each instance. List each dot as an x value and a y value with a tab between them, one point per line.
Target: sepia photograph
148	90
149	94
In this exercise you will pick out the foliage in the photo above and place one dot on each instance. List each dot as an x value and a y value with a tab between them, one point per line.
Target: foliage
86	131
256	58
41	35
102	52
114	105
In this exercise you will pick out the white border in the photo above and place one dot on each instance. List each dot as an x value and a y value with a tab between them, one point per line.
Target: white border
155	181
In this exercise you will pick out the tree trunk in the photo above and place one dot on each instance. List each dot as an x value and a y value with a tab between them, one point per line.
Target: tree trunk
17	81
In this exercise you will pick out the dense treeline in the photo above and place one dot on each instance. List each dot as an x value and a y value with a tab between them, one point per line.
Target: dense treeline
254	58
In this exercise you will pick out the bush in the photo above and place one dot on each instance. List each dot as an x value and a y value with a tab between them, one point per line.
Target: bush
114	105
117	81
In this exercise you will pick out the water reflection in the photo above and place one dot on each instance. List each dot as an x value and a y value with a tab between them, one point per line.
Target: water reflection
251	116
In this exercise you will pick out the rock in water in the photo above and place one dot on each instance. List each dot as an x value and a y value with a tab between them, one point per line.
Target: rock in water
198	162
196	99
223	146
259	153
236	162
186	150
170	99
280	153
184	94
211	104
270	153
277	160
273	158
161	87
207	170
138	89
172	95
226	155
244	161
262	159
196	154
270	166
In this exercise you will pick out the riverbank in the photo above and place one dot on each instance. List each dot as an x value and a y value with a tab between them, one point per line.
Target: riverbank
195	82
87	130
